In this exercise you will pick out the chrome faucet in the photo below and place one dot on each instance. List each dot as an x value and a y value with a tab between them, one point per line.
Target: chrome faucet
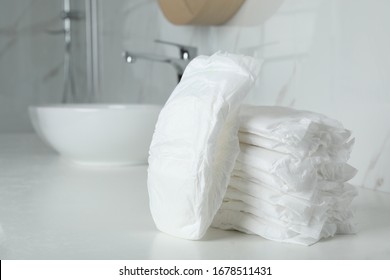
187	53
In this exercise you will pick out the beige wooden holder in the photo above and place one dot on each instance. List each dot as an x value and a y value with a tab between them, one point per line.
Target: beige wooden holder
199	12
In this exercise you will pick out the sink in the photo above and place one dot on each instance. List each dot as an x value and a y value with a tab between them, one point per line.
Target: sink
97	134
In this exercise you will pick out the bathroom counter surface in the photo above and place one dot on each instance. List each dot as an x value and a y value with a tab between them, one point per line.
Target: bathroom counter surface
53	209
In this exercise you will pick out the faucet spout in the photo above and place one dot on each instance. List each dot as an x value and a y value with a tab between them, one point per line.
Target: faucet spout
178	64
187	53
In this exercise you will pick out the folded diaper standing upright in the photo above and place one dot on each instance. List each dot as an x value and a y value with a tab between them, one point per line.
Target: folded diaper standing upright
289	181
195	143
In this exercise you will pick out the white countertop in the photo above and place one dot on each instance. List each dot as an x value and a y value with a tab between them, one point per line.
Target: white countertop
51	209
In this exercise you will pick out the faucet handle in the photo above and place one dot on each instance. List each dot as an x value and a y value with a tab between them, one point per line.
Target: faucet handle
186	52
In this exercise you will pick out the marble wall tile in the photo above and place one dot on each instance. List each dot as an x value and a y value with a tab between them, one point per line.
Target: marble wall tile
32	61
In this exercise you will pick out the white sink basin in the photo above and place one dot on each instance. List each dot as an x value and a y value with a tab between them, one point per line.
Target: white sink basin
98	134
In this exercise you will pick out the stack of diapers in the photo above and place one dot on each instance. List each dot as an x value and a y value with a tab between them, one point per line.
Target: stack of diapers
271	171
289	183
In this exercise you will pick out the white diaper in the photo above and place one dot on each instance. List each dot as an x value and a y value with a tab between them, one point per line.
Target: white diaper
195	143
298	176
278	231
276	210
251	224
271	194
301	133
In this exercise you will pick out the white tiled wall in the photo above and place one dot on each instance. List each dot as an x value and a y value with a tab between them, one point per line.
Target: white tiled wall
32	61
329	56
